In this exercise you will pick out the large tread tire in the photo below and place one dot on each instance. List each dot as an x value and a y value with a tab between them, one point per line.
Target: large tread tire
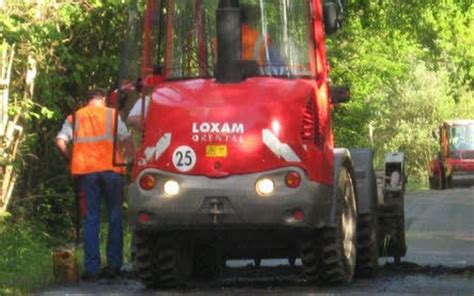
164	261
449	182
143	263
367	246
310	257
444	181
437	182
434	184
331	259
174	259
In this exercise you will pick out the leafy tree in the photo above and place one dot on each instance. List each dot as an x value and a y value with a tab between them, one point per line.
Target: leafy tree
393	55
75	46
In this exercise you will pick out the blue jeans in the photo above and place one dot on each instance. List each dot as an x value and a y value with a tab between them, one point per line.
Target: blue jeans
93	187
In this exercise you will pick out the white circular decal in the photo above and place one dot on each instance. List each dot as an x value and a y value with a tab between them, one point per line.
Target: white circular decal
184	158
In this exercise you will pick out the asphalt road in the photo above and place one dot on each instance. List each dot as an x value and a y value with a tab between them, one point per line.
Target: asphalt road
440	260
440	227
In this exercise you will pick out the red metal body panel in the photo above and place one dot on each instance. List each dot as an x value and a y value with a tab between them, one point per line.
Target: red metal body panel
254	105
318	31
271	104
435	168
461	165
452	162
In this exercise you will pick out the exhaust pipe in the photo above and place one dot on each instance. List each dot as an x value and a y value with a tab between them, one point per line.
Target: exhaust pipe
229	68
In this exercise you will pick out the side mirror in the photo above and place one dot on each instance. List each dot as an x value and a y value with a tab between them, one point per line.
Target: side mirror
330	18
340	94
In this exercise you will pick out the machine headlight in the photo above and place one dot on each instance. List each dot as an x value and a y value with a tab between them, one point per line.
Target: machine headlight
265	187
171	188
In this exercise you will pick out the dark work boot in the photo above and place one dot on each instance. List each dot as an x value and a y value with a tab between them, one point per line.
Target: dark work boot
90	277
112	273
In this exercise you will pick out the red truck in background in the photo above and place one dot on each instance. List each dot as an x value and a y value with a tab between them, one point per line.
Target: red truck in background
454	164
237	158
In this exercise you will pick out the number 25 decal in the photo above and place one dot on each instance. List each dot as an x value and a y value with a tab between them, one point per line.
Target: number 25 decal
184	158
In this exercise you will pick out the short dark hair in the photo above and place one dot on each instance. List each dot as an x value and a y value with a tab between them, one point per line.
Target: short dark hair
95	92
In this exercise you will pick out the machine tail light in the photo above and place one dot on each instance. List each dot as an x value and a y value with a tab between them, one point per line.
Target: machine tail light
298	215
293	179
143	218
147	182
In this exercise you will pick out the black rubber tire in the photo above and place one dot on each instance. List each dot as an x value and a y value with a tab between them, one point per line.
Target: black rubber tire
433	183
367	246
163	261
443	182
438	182
207	262
449	182
326	260
133	248
143	263
310	257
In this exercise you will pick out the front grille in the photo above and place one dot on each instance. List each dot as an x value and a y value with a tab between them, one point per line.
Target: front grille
462	154
467	155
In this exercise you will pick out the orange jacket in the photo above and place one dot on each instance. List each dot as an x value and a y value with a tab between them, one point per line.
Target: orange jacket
253	45
93	138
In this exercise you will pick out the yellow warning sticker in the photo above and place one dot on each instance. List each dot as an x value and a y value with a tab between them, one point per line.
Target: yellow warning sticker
216	150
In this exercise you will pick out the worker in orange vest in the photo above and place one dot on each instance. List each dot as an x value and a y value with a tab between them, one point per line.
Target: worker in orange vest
90	130
253	43
255	46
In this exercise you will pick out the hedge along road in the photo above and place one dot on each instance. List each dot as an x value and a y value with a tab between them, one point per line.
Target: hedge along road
440	260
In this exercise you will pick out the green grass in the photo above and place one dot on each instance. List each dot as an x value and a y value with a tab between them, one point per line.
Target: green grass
25	259
417	184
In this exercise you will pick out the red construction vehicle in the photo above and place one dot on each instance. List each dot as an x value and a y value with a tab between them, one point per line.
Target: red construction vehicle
454	164
237	158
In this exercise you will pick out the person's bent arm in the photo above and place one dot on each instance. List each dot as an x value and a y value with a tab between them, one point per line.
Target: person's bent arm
135	122
126	142
63	148
134	119
129	149
63	138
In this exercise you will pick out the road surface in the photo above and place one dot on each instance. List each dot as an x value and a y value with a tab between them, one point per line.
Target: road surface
441	227
440	260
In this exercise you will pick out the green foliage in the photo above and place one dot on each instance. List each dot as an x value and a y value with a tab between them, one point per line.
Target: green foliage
25	263
414	107
410	66
75	46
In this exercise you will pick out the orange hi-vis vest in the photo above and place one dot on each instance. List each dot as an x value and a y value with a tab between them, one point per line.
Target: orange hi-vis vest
253	45
93	141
